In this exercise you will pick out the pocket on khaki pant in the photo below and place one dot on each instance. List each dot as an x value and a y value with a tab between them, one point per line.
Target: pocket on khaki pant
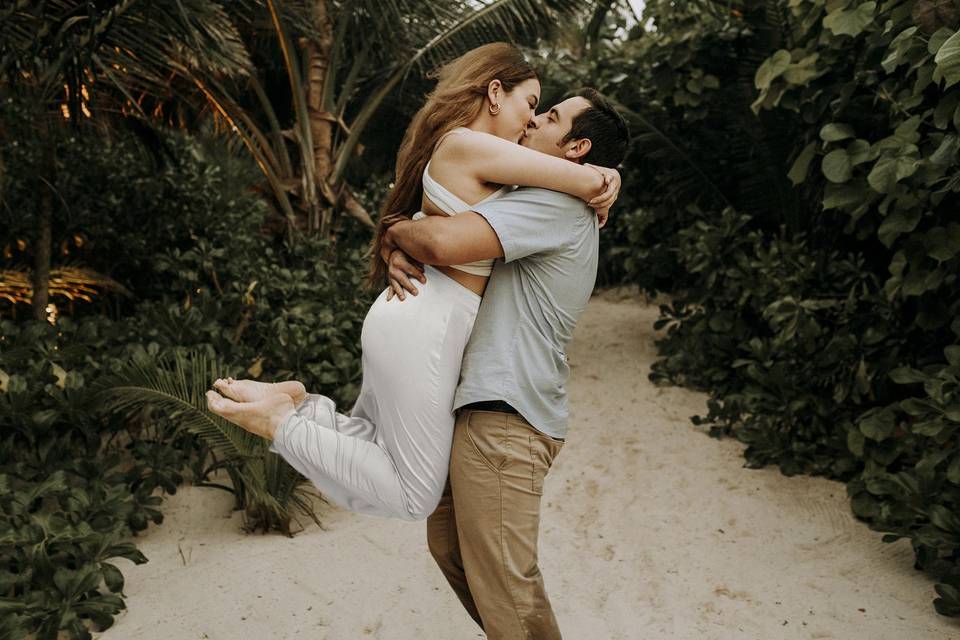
543	450
487	432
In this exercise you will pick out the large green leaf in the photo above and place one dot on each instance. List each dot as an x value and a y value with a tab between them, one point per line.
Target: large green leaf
801	166
837	167
772	68
890	170
878	424
836	131
948	59
861	151
946	152
941	245
900	221
953	471
898	47
803	71
841	196
945	519
952	354
907	375
851	22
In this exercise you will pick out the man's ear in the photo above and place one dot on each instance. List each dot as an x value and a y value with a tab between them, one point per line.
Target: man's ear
578	149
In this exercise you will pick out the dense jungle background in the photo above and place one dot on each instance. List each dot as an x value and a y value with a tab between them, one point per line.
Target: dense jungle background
188	189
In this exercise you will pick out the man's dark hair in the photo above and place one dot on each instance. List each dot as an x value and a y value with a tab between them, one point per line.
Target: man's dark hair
605	128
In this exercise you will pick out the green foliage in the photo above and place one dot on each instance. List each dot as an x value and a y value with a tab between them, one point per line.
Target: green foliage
808	239
179	225
128	47
65	505
685	89
175	386
180	228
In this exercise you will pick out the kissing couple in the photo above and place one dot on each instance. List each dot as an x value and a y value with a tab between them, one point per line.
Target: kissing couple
463	406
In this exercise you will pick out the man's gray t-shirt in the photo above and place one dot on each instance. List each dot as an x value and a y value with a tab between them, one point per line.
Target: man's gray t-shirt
532	302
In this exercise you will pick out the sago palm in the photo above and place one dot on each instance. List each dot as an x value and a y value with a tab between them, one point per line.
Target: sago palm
266	486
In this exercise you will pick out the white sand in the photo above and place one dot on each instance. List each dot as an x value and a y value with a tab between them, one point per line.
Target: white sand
651	530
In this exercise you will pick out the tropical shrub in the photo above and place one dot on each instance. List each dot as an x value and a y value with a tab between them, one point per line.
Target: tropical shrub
66	505
216	294
800	209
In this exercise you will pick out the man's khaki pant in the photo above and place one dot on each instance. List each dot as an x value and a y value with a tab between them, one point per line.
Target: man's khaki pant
484	532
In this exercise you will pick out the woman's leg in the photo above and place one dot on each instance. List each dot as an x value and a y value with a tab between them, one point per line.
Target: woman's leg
390	456
354	472
379	476
357	424
309	405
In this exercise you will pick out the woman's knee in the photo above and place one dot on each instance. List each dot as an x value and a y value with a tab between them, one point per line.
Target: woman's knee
423	510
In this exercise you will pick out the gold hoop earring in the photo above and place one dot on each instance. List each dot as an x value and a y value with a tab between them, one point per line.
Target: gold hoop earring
492	112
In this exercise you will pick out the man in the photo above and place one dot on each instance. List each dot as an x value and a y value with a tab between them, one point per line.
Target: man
511	402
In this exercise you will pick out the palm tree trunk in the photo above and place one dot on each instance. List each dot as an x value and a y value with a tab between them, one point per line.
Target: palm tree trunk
41	265
595	27
317	55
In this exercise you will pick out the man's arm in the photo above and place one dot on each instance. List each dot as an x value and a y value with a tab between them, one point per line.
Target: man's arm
446	240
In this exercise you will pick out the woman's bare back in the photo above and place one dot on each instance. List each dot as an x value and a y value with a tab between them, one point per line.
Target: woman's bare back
468	189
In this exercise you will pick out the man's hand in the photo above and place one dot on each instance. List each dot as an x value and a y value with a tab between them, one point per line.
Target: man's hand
387	246
400	268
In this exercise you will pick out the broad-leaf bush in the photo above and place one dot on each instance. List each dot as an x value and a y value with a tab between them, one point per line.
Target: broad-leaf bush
800	210
212	283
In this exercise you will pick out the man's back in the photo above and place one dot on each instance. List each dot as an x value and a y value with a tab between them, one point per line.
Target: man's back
534	298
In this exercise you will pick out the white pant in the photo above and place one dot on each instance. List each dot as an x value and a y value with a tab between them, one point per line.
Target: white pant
391	455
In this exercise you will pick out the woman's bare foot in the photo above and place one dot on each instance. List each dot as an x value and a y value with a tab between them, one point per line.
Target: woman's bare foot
251	390
260	417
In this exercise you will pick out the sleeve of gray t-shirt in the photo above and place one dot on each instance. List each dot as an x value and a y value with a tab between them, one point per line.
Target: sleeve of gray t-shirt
531	220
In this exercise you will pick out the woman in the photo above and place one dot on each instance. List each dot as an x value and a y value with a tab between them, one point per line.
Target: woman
390	456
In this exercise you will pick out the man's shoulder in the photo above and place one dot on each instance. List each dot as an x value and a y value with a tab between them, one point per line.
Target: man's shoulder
538	196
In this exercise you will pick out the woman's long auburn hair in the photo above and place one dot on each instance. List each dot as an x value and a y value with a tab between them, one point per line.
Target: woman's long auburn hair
456	101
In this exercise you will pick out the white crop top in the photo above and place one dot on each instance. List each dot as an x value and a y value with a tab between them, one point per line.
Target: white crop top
451	205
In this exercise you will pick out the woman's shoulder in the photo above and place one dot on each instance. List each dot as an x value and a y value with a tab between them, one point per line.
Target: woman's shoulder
461	142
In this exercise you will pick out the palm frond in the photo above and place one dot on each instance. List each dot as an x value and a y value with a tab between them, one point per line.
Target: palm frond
442	31
176	386
116	54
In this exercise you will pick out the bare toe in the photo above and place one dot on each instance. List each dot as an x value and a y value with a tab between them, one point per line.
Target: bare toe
225	406
214	402
232	392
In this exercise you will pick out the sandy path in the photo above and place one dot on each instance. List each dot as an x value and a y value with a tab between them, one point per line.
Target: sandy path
650	530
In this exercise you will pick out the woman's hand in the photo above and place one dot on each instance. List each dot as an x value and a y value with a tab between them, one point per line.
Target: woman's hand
602	215
400	268
605	200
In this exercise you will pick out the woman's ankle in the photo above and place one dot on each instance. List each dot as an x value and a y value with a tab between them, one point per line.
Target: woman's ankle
294	389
